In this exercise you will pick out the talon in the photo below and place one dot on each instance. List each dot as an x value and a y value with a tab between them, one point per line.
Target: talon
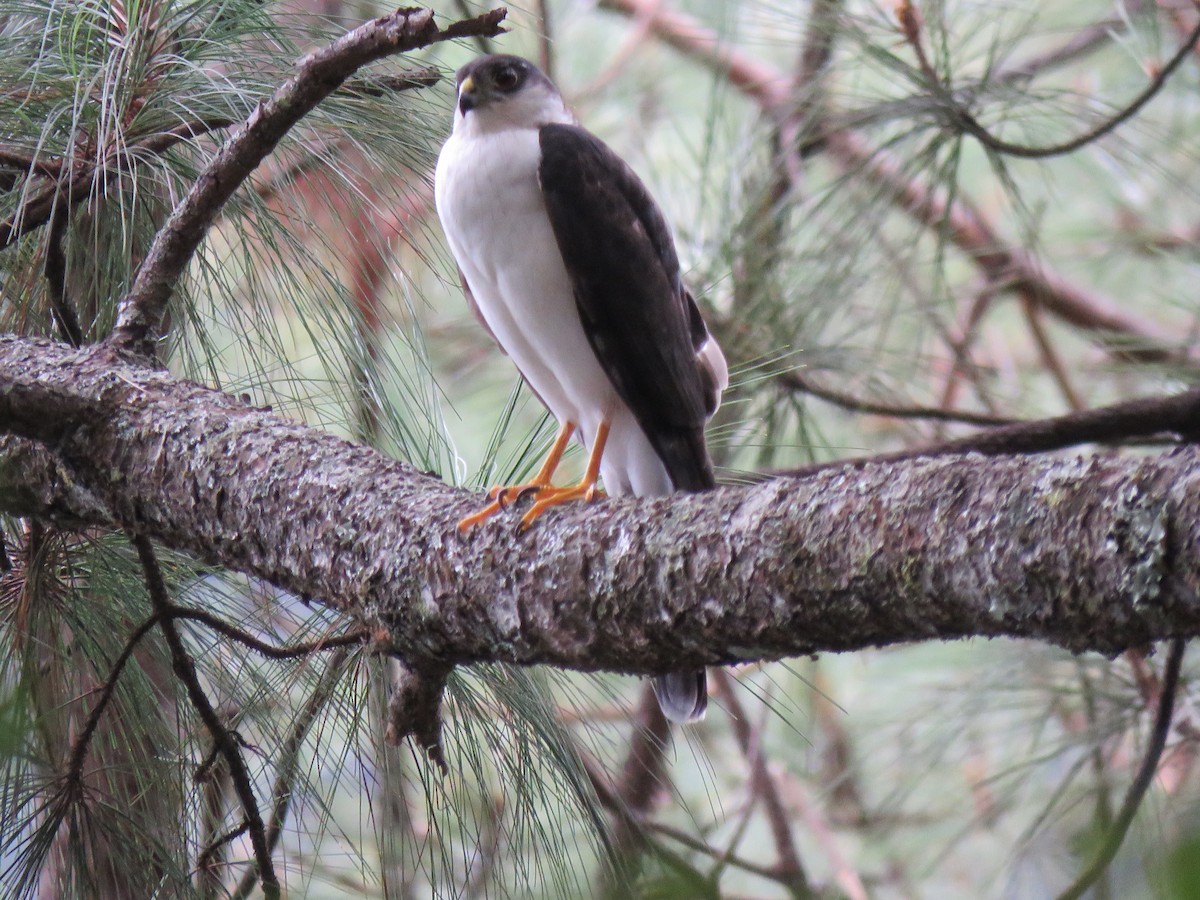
501	496
526	489
469	522
586	490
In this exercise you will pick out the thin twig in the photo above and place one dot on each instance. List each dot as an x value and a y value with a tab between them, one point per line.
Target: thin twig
1084	41
214	802
1144	778
1050	358
1133	419
227	743
289	761
383	85
763	784
1104	813
482	867
960	346
972	126
141	311
208	861
797	381
273	651
700	846
961	222
642	778
79	749
545	38
609	800
964	226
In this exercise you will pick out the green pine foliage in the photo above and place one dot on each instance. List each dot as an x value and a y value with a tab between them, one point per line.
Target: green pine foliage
325	292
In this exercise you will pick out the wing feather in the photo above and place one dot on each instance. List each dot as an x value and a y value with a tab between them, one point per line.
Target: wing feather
639	318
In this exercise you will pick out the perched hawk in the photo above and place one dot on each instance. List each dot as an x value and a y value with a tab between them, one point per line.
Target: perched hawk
569	263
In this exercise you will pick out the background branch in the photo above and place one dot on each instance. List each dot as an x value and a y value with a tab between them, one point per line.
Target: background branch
962	223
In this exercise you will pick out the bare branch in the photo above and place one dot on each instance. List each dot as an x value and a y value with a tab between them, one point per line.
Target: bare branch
634	794
1084	41
971	125
763	784
382	85
318	75
82	743
226	743
271	651
1143	780
799	381
289	758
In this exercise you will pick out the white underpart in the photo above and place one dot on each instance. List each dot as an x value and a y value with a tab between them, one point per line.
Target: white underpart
490	203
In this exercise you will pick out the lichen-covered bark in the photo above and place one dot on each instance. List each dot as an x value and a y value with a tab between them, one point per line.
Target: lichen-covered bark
1095	553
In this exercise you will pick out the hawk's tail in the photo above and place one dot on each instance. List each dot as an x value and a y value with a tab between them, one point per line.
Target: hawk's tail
683	696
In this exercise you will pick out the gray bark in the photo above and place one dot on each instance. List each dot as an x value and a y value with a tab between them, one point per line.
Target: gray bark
1094	553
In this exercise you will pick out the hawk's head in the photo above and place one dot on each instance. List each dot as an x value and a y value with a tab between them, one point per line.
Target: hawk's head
499	91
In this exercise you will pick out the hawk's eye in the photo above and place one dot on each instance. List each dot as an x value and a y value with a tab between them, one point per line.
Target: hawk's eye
506	78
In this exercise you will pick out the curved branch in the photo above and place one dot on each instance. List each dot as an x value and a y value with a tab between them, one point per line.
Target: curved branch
1101	553
998	145
318	75
1141	783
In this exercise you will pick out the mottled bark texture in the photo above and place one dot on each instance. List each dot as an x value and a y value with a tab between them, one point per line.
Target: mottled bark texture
1096	553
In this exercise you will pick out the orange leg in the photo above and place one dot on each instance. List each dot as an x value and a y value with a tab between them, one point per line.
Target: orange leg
501	496
585	490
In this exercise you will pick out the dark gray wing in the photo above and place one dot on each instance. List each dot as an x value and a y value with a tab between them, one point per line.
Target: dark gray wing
640	320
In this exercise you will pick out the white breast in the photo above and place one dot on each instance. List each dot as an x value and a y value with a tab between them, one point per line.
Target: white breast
490	204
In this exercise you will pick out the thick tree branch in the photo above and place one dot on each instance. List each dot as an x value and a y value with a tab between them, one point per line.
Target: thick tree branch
318	75
1100	553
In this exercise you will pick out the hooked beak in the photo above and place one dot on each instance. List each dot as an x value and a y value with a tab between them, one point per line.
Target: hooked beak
468	98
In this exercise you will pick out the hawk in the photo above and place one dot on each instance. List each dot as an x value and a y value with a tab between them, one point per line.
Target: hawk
571	266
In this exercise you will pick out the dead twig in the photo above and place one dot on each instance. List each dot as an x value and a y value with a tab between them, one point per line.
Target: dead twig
226	742
1133	419
762	784
1141	782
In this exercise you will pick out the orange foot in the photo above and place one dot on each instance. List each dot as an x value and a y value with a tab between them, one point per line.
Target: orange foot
544	493
553	496
501	497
